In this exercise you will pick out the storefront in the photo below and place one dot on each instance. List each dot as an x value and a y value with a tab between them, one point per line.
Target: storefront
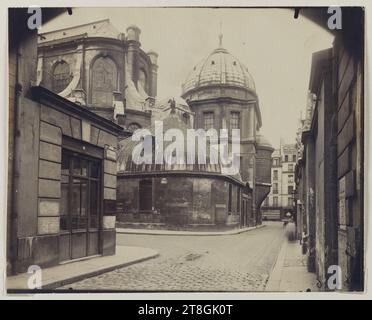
65	190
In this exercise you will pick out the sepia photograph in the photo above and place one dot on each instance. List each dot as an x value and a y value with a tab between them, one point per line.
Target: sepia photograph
185	150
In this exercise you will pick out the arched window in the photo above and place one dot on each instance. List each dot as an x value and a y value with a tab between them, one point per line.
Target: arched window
104	82
142	79
133	127
61	76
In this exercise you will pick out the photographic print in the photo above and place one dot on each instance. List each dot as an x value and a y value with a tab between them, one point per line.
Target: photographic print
185	149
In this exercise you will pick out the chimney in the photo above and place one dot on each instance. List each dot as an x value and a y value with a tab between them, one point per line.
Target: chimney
153	73
133	37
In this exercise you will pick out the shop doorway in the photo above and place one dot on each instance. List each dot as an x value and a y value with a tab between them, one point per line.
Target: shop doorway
80	212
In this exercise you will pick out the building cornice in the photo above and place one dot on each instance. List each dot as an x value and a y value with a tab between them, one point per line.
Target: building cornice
182	173
49	98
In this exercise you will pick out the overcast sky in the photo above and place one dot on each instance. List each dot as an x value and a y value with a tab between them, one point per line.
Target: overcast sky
274	46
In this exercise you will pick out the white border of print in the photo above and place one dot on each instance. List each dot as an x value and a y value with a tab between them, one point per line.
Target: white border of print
176	3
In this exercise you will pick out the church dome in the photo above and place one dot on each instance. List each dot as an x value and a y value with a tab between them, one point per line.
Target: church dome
219	68
263	141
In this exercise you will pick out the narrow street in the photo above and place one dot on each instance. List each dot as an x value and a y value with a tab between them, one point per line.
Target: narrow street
239	262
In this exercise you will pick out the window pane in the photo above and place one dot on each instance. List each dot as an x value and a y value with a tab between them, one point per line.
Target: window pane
76	166
65	166
79	204
104	81
84	167
80	167
94	169
64	204
83	219
234	121
75	203
61	76
94	209
208	120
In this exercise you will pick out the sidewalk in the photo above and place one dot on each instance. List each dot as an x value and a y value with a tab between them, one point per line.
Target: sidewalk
67	273
290	272
186	233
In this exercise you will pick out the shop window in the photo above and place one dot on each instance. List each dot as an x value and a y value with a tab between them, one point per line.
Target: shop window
61	76
80	192
208	120
230	199
145	195
235	120
103	82
238	200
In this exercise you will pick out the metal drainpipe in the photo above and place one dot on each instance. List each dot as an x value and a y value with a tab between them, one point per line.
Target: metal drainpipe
15	178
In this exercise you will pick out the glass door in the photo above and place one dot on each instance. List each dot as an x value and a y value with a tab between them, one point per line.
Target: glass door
80	206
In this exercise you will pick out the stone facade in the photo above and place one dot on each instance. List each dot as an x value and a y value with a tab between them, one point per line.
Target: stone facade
201	195
45	127
230	98
184	201
280	199
179	196
102	69
329	174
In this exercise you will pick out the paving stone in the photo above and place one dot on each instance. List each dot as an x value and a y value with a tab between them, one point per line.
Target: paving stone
240	262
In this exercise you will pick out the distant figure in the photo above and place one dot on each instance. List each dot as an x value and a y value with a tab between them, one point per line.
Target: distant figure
287	218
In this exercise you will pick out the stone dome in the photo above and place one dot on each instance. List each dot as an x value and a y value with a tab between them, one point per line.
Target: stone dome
262	141
219	68
125	163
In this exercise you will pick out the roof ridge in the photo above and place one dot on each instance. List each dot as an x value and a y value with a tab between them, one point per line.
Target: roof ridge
77	26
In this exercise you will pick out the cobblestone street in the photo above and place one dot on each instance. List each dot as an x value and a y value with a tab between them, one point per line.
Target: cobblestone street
239	262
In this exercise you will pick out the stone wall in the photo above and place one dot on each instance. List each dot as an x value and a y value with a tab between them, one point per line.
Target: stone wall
42	129
181	202
81	54
143	119
349	69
